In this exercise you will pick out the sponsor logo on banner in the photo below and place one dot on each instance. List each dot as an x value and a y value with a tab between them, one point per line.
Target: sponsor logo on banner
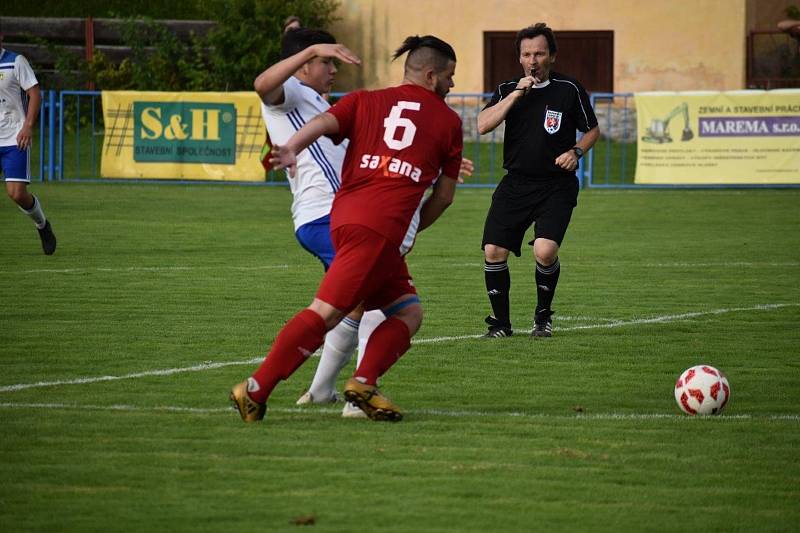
552	121
755	126
184	132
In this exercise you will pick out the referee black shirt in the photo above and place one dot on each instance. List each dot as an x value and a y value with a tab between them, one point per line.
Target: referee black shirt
542	124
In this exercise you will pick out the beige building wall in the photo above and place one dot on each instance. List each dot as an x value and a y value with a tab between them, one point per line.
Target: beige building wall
658	44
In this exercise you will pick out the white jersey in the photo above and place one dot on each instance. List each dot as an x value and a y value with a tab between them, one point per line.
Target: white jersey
319	167
16	77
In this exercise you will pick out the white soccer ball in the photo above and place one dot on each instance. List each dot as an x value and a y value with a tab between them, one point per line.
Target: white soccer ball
702	390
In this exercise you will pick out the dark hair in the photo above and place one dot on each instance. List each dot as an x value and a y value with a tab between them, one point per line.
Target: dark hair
540	28
298	40
442	52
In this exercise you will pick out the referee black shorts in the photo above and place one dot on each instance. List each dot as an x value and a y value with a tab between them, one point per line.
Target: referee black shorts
520	201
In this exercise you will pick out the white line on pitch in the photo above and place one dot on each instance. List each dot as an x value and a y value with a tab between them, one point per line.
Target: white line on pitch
720	264
210	365
682	316
431	412
570	318
635	322
283	267
148	269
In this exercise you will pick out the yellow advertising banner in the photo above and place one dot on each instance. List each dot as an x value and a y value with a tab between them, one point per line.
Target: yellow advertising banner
737	137
196	136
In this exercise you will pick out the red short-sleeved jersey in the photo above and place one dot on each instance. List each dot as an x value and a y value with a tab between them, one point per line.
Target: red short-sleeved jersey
401	140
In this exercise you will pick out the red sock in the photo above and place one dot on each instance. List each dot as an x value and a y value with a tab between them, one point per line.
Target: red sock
297	340
386	345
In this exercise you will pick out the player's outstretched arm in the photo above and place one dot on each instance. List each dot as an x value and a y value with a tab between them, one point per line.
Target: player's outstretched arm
285	156
440	199
269	84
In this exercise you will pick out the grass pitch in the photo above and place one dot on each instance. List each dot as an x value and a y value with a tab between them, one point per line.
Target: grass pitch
117	354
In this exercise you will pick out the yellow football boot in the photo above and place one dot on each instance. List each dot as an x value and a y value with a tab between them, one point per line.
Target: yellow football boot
369	399
249	410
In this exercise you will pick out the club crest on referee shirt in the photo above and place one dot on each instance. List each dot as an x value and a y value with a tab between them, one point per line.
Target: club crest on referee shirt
552	121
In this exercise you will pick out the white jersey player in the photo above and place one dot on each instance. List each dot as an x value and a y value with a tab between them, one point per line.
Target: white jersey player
20	99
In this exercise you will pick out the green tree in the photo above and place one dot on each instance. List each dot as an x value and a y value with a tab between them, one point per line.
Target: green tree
248	35
157	9
158	60
246	38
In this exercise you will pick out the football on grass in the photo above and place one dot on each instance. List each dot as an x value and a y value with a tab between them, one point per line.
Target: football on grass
702	390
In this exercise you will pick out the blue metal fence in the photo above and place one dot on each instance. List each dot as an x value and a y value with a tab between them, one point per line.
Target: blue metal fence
70	120
612	160
71	132
47	135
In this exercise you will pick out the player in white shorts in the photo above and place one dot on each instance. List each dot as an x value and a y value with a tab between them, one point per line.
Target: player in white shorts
20	99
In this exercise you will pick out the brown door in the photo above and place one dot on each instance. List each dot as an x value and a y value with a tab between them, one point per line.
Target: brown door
587	56
500	61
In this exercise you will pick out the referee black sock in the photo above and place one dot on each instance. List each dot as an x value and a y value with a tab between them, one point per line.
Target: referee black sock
498	284
546	281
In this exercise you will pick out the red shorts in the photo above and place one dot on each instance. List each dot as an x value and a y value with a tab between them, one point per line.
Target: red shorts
367	268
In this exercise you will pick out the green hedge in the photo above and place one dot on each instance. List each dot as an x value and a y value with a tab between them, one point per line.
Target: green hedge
245	41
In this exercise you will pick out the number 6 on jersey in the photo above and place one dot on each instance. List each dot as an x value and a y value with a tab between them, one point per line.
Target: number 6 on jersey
395	121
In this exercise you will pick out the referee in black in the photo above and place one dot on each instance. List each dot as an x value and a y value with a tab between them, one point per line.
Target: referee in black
542	111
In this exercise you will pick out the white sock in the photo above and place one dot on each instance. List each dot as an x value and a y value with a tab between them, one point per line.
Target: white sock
252	385
370	321
340	342
36	214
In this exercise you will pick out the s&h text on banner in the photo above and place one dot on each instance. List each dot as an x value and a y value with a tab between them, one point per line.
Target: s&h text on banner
198	136
736	137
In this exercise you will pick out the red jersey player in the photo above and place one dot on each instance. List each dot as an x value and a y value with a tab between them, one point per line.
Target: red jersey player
401	140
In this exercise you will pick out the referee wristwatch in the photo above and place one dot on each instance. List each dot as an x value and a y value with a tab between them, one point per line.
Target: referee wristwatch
578	151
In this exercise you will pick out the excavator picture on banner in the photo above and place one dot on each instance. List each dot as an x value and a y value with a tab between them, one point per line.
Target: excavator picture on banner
658	132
